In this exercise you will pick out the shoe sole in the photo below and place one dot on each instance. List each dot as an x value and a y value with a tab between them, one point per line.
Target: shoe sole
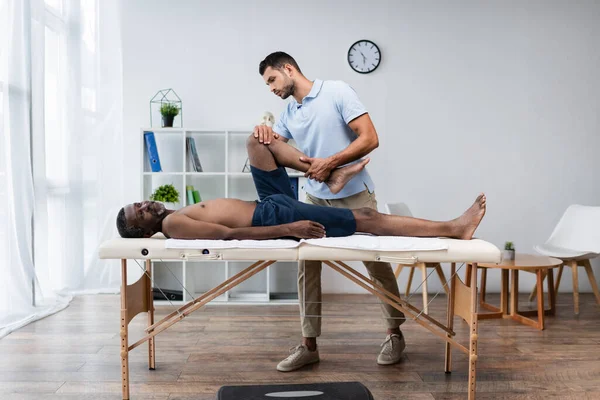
298	367
389	362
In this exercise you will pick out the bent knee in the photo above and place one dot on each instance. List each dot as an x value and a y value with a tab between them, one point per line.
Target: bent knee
251	141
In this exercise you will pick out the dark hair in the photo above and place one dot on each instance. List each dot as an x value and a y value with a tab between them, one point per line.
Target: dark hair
277	60
126	231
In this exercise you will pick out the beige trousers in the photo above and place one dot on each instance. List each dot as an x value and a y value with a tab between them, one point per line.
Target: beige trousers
309	274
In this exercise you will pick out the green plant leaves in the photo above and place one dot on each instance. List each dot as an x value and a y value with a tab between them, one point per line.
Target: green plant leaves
169	109
165	193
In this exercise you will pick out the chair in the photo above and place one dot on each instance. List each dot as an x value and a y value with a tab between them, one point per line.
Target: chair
402	210
575	240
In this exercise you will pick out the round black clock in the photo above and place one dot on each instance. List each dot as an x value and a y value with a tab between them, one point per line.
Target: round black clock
364	56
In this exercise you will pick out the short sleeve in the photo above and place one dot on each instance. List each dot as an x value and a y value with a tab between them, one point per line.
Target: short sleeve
280	126
348	103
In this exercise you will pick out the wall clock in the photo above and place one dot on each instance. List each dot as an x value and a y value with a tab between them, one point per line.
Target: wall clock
364	56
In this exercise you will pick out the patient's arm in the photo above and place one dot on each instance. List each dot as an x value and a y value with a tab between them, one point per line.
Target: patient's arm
184	227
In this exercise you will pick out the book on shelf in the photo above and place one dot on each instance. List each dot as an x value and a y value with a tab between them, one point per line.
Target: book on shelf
193	159
189	193
193	196
197	198
152	151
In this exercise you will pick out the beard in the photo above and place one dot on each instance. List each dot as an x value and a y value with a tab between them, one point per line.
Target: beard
288	90
157	209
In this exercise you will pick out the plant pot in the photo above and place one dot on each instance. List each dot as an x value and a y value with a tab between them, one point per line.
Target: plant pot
508	255
168	121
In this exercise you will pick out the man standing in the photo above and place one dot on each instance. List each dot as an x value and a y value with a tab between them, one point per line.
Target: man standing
332	127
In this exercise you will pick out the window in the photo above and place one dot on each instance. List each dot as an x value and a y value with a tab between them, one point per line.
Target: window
49	265
54	119
70	44
55	6
3	181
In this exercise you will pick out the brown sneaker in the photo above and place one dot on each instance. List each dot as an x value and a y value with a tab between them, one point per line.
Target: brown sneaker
392	348
299	357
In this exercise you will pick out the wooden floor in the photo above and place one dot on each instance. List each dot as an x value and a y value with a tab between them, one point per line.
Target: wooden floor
75	353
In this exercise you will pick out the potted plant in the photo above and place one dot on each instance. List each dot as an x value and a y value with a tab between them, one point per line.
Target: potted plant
166	194
509	251
168	112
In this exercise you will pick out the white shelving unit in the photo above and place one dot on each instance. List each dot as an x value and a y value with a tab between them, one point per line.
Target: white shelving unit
222	154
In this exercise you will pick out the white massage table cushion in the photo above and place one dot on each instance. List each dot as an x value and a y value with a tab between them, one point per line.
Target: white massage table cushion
455	250
154	248
353	248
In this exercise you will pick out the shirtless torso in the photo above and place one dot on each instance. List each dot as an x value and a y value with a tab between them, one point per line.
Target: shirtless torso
229	219
232	213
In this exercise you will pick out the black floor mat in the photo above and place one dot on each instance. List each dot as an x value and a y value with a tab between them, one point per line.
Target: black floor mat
309	391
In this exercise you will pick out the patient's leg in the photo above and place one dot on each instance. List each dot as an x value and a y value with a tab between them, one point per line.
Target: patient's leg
278	153
463	227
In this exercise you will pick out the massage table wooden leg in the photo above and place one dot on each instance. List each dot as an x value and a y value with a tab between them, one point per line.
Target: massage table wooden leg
468	273
123	332
473	334
464	304
450	322
151	341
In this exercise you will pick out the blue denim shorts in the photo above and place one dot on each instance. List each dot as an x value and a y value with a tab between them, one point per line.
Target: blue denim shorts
278	206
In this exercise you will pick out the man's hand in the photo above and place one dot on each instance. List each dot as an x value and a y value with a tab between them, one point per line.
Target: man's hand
264	134
306	230
320	168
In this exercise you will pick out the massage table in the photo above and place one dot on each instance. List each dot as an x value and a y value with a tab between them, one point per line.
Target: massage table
334	252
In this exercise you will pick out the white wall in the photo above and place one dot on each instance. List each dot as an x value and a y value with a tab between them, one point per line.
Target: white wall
501	97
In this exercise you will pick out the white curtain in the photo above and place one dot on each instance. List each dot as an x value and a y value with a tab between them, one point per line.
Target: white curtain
60	152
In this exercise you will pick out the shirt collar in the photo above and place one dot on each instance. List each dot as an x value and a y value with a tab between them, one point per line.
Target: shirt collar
314	91
316	88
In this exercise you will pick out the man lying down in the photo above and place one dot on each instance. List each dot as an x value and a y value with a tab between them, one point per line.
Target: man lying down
279	215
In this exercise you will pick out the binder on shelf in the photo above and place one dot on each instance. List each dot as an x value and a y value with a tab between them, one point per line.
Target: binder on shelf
193	162
190	161
192	166
152	150
194	154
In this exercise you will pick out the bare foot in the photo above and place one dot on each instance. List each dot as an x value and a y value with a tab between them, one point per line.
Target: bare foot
339	177
469	221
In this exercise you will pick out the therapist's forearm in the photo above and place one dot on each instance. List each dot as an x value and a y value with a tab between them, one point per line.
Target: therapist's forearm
359	148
